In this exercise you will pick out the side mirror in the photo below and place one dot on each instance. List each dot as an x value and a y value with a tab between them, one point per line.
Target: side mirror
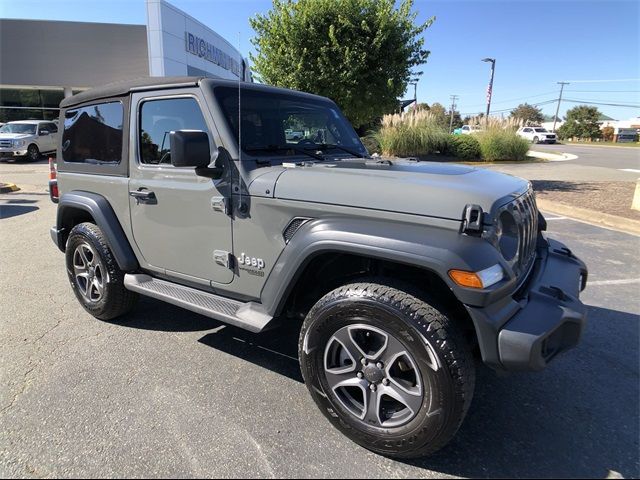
190	148
44	132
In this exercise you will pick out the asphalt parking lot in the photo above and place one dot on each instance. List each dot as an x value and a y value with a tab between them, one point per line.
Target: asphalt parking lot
170	393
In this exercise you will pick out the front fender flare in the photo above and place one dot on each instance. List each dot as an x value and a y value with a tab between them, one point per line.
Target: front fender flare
436	249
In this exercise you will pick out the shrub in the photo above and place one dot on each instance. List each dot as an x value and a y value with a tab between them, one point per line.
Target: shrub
412	134
464	147
498	144
607	134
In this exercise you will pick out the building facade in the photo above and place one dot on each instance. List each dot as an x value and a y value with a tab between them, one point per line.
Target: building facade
38	71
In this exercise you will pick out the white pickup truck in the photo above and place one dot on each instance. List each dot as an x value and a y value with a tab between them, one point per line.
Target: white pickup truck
27	139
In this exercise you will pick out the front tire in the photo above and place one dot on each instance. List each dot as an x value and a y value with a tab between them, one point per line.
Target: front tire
535	140
389	370
33	153
95	277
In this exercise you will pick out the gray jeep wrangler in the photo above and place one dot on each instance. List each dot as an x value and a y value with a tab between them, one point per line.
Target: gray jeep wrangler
399	274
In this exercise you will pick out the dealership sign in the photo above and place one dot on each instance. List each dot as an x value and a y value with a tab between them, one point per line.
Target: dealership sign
203	49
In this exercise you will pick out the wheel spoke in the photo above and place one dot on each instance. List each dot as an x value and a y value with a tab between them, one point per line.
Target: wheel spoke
372	407
83	255
352	331
337	378
413	401
98	287
343	336
394	348
87	289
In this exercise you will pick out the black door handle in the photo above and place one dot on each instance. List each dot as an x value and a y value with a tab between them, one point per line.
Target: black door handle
144	196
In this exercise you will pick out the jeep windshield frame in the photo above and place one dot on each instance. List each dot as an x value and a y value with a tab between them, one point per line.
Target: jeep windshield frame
280	125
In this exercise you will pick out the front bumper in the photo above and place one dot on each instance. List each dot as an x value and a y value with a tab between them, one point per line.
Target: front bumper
541	320
10	152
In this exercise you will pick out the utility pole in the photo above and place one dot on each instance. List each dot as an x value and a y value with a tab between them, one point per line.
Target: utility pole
453	107
555	118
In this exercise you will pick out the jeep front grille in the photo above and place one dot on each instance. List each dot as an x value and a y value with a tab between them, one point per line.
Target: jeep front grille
525	211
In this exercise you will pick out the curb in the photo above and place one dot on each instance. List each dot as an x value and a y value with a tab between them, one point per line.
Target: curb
614	222
552	157
8	187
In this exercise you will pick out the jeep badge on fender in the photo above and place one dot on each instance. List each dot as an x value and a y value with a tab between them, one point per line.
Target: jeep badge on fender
394	300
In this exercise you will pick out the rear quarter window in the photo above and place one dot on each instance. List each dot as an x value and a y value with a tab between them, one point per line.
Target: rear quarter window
93	134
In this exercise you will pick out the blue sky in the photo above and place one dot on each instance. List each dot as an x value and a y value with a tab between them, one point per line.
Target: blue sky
593	44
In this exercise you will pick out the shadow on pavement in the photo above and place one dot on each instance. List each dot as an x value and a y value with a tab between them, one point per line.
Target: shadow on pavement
10	210
562	186
276	349
578	418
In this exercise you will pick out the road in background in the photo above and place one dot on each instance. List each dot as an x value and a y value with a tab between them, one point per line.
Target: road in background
598	156
170	393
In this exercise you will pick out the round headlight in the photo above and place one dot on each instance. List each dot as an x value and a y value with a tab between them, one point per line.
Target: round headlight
18	143
507	235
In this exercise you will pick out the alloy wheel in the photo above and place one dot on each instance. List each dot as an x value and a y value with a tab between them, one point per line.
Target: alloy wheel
89	273
373	376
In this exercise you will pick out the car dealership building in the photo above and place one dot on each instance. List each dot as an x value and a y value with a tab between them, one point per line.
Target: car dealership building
38	71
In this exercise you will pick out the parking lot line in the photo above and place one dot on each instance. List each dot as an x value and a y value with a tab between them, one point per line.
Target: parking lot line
626	281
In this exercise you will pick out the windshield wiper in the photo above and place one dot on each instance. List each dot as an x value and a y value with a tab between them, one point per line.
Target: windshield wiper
277	148
326	146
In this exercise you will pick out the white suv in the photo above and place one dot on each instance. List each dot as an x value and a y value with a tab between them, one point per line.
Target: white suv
28	139
537	135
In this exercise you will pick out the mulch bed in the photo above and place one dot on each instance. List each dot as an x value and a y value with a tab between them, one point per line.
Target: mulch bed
613	198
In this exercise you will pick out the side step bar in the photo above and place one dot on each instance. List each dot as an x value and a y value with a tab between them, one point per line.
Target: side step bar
248	316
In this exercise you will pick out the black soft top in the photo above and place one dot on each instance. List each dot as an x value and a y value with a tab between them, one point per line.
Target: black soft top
118	89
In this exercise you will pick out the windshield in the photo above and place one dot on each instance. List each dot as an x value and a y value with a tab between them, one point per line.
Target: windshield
281	125
541	130
18	128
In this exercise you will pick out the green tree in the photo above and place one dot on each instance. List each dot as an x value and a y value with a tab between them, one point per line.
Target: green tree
360	53
441	115
528	114
581	122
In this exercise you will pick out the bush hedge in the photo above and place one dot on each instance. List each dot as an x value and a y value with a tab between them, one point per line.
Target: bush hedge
498	144
464	147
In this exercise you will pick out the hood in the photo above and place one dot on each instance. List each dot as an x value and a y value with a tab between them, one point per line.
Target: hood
431	189
15	136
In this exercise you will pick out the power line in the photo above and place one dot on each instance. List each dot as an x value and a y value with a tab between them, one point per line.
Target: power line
512	99
606	81
602	103
605	91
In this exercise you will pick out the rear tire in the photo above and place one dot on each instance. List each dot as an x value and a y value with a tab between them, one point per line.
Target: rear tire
434	371
95	277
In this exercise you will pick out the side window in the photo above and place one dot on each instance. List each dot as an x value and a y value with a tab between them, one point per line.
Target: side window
527	130
158	118
51	127
93	134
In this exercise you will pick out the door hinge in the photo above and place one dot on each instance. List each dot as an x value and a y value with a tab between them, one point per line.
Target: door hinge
220	204
222	257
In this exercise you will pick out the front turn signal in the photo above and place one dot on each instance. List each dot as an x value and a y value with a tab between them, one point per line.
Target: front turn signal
482	279
465	279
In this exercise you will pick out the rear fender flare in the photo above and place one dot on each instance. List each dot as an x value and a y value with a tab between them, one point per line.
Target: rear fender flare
105	218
